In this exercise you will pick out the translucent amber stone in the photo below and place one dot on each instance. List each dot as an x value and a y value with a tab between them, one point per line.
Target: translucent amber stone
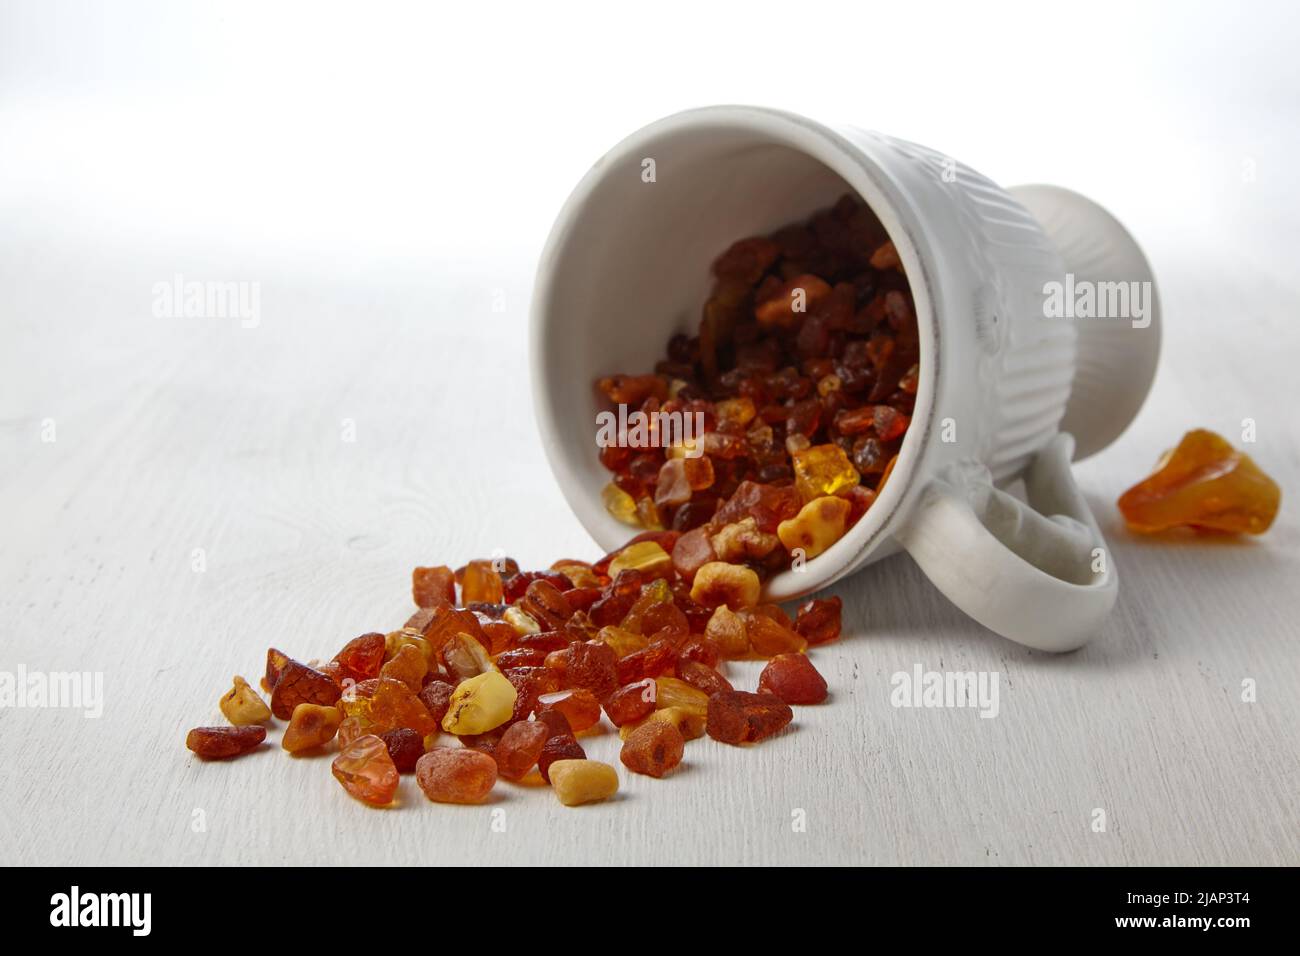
823	470
648	557
1203	483
366	771
384	704
481	583
620	504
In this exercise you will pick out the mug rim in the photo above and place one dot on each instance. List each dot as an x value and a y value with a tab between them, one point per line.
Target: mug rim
870	181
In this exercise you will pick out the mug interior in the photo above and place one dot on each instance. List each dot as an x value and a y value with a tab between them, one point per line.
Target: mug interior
627	266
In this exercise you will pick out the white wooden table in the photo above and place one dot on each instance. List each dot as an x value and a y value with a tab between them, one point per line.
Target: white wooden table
174	436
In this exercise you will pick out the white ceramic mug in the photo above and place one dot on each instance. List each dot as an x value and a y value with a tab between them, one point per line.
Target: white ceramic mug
1005	392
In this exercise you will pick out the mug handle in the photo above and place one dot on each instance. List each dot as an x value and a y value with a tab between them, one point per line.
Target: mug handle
1038	574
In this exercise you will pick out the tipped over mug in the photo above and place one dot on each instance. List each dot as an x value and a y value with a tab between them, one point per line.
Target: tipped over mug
1009	390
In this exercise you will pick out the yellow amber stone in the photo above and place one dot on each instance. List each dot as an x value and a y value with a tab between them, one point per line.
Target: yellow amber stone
1203	483
480	704
648	557
823	470
620	504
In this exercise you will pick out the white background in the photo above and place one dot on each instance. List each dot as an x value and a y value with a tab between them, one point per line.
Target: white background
387	173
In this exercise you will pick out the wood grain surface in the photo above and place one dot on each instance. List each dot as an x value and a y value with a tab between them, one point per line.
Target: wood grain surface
179	434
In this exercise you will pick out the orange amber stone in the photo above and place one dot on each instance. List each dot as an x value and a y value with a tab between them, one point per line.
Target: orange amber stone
578	705
367	771
431	587
383	703
481	583
1204	483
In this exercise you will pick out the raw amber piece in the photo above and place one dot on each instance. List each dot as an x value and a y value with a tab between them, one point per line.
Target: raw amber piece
366	771
768	637
298	684
719	583
1204	483
592	665
481	582
738	717
408	665
648	557
653	749
361	657
690	724
743	541
349	730
242	705
519	748
382	703
275	663
622	641
221	743
480	704
464	656
633	389
578	705
726	628
769	505
817	526
701	649
620	504
798	296
579	573
556	724
546	604
823	470
631	703
657	657
396	640
793	678
456	775
558	747
431	587
819	620
310	726
405	746
671	692
449	621
579	781
702	677
672	487
436	697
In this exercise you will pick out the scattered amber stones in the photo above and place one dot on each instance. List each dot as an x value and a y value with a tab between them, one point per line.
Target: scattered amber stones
1204	484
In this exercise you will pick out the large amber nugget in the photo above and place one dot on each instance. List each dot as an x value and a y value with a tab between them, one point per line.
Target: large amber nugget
1203	483
823	470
